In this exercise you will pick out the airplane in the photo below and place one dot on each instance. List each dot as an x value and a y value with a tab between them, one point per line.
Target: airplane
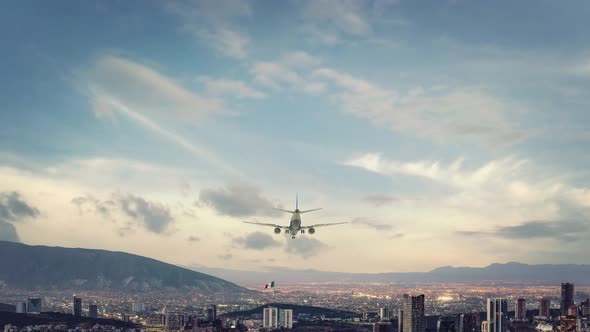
295	223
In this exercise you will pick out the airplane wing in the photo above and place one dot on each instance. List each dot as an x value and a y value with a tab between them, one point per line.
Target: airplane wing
321	225
264	224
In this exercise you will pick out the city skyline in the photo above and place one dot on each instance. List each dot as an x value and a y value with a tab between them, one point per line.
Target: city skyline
437	129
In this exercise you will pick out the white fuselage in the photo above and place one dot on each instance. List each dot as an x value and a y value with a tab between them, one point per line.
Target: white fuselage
295	224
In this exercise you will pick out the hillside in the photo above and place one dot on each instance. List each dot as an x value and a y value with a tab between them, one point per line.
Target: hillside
57	268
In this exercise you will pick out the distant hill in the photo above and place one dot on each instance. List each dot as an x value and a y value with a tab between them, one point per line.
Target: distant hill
297	309
508	273
57	268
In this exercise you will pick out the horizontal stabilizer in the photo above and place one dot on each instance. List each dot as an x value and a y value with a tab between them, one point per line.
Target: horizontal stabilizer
288	211
305	211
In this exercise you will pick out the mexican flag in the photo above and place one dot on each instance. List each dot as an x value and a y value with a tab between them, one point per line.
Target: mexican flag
270	285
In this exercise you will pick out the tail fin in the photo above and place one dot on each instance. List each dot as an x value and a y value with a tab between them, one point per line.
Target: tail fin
297	201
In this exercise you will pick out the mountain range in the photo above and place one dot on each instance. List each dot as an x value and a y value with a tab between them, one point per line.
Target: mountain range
56	268
545	274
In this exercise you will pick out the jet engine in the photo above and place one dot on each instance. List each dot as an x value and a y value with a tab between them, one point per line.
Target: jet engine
311	230
277	230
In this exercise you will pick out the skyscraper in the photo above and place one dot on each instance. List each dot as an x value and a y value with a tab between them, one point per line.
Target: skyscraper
212	313
400	320
77	306
93	311
382	327
585	308
496	315
520	308
567	297
270	317
286	318
413	313
544	307
34	305
469	322
384	313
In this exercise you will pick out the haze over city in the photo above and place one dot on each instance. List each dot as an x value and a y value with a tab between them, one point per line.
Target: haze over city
448	134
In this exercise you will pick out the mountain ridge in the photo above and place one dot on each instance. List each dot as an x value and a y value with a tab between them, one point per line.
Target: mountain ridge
498	272
42	267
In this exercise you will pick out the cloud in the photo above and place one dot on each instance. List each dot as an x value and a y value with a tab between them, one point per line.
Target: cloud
217	22
256	241
225	257
118	85
154	216
287	72
238	199
437	113
567	230
230	88
13	208
346	16
372	224
193	238
379	199
305	247
8	232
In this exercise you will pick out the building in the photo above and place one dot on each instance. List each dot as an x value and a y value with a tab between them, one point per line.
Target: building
21	307
468	322
567	297
446	324
585	308
212	313
34	305
572	310
485	326
544	307
520	309
270	317
413	316
382	327
77	307
497	315
400	320
286	318
384	313
138	307
93	311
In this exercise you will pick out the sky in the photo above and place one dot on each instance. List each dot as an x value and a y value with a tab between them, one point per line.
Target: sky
445	132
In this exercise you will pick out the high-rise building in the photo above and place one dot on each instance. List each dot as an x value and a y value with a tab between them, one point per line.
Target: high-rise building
485	326
384	313
585	308
34	305
286	318
544	307
21	307
270	317
212	313
93	311
567	297
137	307
572	310
382	327
77	307
468	322
520	309
446	324
413	313
497	315
400	320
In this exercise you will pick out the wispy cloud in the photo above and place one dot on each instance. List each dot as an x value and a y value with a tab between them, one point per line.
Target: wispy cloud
288	71
230	88
217	22
437	113
372	224
120	86
256	241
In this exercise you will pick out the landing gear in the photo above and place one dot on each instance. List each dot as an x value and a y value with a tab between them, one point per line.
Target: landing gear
292	237
302	231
